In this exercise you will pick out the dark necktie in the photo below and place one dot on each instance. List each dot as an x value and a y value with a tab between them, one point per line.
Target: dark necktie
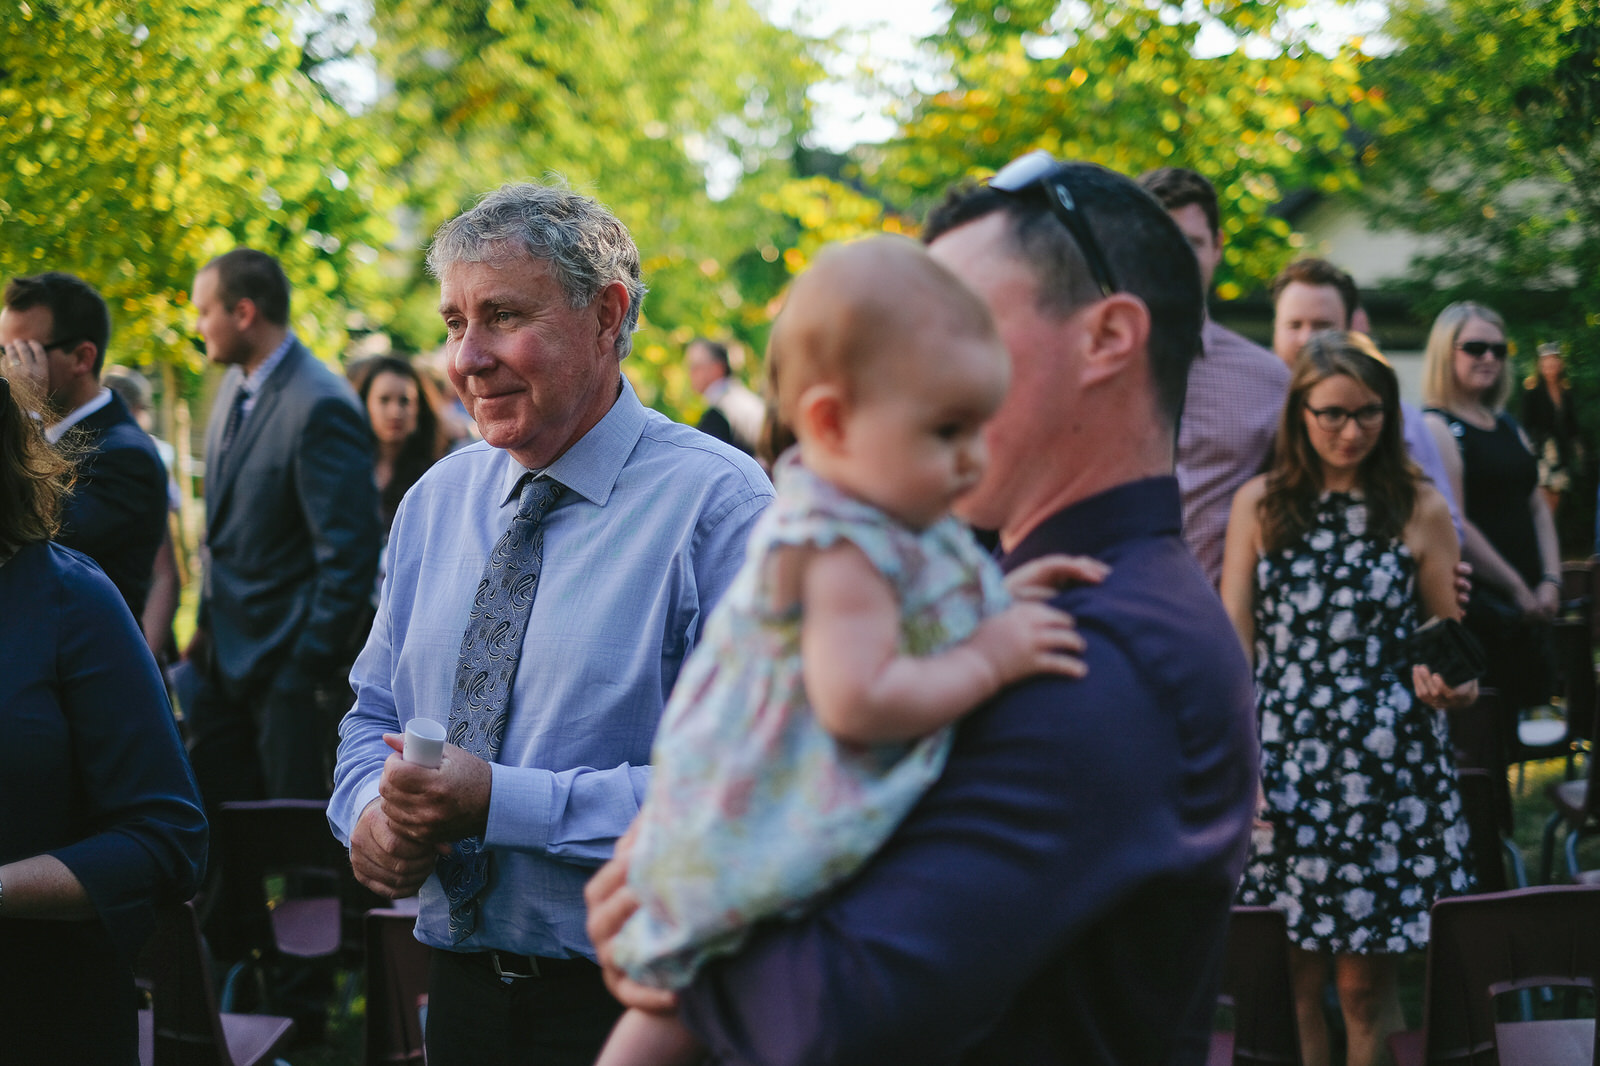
480	699
230	428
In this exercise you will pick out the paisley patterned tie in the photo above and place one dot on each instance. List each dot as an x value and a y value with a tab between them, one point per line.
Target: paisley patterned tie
480	699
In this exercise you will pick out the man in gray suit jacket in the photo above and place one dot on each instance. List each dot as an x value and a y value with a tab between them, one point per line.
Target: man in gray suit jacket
291	542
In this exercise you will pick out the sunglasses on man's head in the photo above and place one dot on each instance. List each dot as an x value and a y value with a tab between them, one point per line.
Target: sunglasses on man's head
1479	349
1041	168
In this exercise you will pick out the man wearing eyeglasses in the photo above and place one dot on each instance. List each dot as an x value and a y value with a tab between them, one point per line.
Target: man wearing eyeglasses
1311	295
1061	894
54	328
1236	387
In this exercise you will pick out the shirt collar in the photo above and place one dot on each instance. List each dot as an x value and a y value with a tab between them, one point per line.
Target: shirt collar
55	432
591	466
717	389
1149	507
258	377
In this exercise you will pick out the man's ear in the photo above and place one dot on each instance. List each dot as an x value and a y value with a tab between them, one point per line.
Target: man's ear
611	308
1118	336
820	417
245	313
83	357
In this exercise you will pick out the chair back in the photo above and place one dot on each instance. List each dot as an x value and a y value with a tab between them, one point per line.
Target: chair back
1479	799
397	974
1257	985
1580	581
286	837
1485	945
1575	669
183	1001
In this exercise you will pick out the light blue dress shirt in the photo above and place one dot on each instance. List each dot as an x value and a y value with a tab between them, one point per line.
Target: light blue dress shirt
1425	453
637	552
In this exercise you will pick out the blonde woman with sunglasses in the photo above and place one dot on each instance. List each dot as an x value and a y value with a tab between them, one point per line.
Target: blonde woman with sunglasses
1510	537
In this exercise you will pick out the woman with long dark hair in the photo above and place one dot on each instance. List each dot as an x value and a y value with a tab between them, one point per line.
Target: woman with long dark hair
99	815
404	415
1333	557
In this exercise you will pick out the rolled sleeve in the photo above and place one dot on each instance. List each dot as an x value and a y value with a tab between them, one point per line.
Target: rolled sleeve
149	846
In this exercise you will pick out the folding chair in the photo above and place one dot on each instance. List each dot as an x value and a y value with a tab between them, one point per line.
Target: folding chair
287	839
1485	793
183	1027
1257	985
397	978
1579	583
1544	737
1577	805
1488	945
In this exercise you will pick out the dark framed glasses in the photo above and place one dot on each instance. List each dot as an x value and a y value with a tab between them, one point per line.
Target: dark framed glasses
1333	419
1479	349
1040	168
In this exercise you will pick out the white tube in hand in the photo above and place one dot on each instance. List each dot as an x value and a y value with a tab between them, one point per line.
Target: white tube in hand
424	742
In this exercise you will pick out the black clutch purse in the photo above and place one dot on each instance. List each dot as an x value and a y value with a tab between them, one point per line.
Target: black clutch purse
1449	649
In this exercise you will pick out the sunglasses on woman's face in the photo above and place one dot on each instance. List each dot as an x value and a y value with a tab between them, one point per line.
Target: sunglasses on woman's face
1479	349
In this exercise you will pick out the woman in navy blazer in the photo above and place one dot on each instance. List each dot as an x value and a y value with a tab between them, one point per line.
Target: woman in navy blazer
99	816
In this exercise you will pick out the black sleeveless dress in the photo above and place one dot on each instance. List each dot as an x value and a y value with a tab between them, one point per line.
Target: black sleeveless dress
1498	476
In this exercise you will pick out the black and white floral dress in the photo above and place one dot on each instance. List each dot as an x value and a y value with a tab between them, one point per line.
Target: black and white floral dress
1366	823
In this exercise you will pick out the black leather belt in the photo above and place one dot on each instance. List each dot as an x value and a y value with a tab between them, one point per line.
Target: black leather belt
506	965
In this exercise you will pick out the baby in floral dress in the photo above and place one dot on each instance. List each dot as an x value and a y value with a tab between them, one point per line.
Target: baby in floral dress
865	621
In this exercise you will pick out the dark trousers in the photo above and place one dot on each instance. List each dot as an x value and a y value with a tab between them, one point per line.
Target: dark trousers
274	740
476	1018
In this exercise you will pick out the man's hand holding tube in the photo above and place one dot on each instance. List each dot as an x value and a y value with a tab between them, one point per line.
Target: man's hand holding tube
419	811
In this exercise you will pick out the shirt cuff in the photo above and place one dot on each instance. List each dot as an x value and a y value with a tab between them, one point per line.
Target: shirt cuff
360	800
520	801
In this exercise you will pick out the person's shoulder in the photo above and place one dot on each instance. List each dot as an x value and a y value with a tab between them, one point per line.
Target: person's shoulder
1251	492
123	438
314	379
1431	507
1218	339
689	455
67	575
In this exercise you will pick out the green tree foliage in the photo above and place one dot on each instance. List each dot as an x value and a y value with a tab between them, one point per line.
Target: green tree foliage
1492	151
631	100
1118	82
142	137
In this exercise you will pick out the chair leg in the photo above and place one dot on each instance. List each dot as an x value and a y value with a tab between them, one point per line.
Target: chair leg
1573	837
1547	850
1519	870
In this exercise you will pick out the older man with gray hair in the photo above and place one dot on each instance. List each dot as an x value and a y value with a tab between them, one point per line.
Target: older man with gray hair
543	588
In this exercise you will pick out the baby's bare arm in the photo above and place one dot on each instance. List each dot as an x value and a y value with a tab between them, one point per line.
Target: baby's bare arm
864	691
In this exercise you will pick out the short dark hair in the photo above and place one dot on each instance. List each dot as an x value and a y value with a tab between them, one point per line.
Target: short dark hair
1314	271
245	273
1177	187
77	311
1145	250
717	351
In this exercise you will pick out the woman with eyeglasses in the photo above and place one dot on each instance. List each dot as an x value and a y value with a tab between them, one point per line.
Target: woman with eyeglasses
1510	537
99	815
1333	558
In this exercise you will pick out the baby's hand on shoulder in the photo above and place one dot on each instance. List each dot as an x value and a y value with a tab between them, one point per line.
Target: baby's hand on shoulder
1042	578
1029	638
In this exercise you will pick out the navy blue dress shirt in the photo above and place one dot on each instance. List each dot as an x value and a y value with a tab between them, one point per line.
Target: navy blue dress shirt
1061	894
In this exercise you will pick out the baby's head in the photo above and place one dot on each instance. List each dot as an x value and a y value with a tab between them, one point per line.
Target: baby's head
885	368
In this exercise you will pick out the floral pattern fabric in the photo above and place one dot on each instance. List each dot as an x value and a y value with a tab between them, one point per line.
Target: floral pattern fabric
753	808
1365	822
